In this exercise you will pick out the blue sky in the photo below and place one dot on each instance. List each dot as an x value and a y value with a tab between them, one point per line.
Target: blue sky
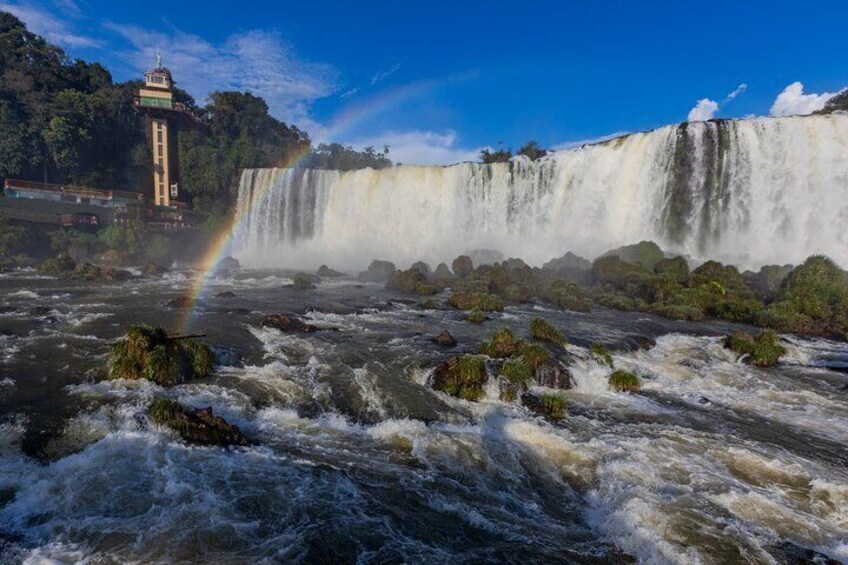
439	80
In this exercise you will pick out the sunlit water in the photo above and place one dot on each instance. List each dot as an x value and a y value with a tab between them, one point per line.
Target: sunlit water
358	460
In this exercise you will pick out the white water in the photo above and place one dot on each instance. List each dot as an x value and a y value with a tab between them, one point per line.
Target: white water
748	192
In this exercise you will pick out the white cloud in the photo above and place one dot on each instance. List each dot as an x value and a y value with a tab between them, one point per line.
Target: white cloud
348	93
256	61
704	110
383	75
739	90
418	147
792	101
49	25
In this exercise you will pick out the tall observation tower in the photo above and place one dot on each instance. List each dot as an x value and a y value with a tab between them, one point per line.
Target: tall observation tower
156	99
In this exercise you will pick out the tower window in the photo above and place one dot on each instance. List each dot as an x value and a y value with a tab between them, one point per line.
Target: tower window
161	150
159	136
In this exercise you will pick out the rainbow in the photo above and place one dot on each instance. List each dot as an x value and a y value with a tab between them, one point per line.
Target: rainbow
349	117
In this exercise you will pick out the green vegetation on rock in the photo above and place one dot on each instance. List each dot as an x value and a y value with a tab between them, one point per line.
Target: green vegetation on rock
518	372
198	426
600	353
476	301
624	381
476	316
503	344
463	377
554	406
542	330
762	351
149	353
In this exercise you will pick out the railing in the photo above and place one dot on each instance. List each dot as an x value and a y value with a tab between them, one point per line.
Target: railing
36	217
81	191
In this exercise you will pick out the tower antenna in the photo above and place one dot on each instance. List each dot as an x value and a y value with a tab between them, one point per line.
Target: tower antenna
158	58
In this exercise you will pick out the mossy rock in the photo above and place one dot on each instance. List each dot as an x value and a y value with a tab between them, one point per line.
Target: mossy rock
411	281
476	301
542	330
195	425
600	353
462	266
624	381
676	268
463	377
149	353
646	254
762	351
503	344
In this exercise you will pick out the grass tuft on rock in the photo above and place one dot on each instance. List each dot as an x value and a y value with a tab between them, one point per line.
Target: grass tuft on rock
476	316
198	426
518	372
534	354
476	301
503	344
462	377
600	353
149	353
554	406
624	381
762	351
542	330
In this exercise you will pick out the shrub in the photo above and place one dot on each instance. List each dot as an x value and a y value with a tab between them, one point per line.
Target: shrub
462	377
619	274
554	406
615	301
544	331
149	353
476	316
476	301
534	354
624	381
518	372
762	351
737	310
568	296
503	344
61	265
677	311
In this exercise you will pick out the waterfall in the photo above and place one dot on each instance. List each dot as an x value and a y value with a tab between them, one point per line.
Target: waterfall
747	192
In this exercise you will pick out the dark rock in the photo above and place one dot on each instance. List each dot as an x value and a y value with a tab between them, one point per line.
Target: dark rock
445	338
151	269
196	425
485	256
442	276
424	269
39	311
115	274
236	311
226	294
180	302
304	281
378	271
549	406
326	272
645	254
227	264
463	266
287	323
553	374
411	281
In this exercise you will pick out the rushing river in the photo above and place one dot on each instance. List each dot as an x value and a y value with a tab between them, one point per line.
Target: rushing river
358	460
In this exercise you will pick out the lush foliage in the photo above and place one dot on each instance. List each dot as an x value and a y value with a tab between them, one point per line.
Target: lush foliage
762	351
149	353
462	377
624	381
338	157
542	330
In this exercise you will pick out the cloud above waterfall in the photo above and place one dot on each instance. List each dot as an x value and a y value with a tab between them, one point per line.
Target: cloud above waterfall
257	61
419	147
704	110
792	101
